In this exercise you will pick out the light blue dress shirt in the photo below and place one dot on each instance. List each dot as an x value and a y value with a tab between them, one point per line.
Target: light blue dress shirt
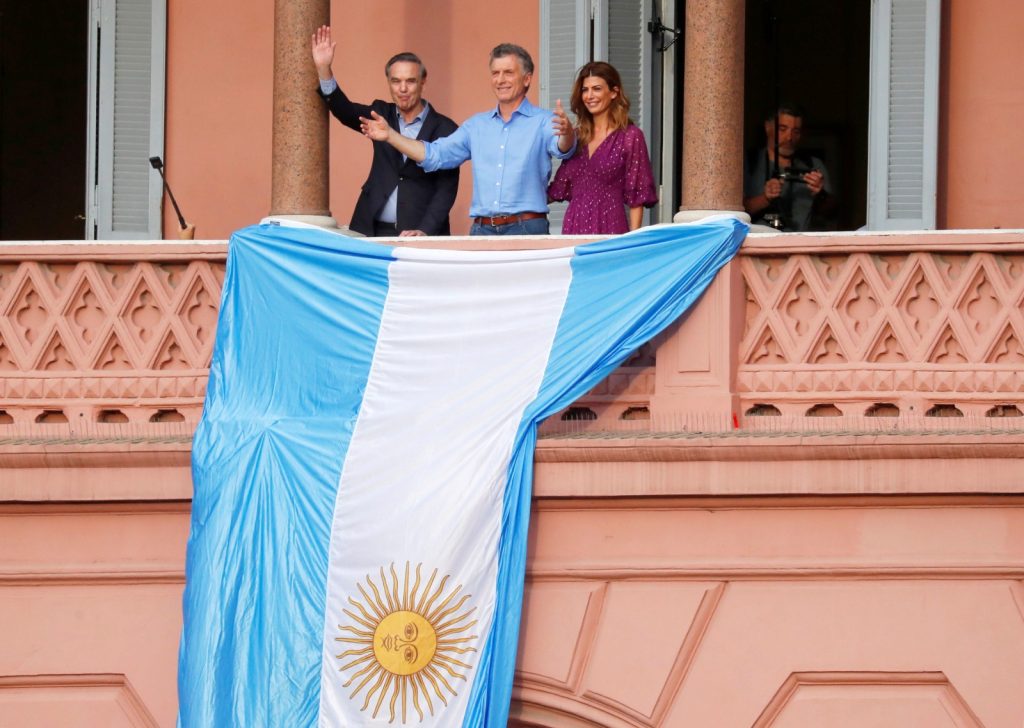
511	160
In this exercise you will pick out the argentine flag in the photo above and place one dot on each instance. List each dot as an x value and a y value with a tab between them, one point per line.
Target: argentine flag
363	468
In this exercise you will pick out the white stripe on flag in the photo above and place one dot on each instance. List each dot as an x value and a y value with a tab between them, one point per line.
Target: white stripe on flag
424	478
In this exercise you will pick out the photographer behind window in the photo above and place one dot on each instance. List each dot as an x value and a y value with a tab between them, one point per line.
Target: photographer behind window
783	187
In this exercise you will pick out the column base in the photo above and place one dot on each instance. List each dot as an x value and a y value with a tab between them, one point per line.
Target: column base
694	215
759	228
324	221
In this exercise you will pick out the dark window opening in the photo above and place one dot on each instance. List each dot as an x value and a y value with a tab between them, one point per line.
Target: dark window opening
821	51
43	91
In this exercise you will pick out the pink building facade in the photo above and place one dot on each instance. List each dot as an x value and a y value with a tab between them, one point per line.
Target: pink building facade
803	505
854	559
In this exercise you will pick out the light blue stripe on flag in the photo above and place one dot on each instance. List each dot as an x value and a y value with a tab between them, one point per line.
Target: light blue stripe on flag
624	291
284	391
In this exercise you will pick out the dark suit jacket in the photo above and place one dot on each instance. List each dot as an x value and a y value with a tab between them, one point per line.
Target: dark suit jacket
424	199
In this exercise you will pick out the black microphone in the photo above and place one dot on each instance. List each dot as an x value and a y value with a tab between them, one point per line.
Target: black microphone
158	165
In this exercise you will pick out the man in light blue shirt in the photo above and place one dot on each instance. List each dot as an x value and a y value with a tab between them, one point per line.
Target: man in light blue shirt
511	147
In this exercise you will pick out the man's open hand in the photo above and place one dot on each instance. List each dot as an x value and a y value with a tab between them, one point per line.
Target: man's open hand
375	127
323	51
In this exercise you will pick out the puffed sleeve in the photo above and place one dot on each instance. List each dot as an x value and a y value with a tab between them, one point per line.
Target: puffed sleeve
639	188
560	189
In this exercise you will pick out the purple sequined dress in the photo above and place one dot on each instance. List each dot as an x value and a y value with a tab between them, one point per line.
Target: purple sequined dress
600	188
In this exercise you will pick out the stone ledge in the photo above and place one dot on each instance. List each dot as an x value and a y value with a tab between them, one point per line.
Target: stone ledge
619	467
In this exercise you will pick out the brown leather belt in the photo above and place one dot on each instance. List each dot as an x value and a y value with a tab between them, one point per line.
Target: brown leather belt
499	220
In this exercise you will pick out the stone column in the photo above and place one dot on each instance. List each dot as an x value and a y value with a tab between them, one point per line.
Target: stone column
696	368
712	178
299	183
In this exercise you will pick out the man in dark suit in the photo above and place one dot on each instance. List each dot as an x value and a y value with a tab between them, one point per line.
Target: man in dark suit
398	197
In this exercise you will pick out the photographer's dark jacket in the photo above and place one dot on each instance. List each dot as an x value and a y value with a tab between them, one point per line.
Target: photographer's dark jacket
424	199
796	204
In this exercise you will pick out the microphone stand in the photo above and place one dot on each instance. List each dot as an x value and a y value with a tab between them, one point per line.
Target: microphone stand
186	231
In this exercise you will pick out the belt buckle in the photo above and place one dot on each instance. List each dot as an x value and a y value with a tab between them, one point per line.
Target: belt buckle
499	220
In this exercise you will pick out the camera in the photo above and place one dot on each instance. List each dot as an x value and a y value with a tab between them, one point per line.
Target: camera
793	175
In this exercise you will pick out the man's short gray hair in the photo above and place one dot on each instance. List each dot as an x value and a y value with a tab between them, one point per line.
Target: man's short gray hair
407	58
511	49
789	109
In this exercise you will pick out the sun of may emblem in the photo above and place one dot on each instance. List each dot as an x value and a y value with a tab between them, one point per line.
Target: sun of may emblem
405	641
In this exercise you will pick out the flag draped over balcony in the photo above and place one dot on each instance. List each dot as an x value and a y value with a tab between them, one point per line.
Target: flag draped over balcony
364	464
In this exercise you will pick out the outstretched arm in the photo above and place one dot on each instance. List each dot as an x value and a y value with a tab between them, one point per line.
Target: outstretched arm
377	129
323	52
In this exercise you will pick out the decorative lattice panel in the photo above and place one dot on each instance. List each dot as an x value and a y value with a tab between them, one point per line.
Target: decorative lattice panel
885	325
108	341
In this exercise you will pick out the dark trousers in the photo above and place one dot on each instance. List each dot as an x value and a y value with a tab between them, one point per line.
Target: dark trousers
384	229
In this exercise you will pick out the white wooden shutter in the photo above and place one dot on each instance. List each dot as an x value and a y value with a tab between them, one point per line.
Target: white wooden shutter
127	128
564	33
564	29
664	90
629	50
903	114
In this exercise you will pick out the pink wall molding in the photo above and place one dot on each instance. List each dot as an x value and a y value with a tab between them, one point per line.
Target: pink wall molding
50	700
867	698
642	612
774	612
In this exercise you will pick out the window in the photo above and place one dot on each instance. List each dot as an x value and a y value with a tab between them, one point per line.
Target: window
904	115
574	32
126	119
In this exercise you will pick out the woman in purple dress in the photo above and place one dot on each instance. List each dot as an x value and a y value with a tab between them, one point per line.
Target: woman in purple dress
611	170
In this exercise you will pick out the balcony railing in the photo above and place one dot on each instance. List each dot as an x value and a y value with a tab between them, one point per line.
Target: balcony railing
800	332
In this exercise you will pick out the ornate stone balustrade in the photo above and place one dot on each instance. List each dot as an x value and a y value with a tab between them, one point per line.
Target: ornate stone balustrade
96	335
930	323
852	326
108	338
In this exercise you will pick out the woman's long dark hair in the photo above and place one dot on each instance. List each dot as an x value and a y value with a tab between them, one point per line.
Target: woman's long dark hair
618	112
